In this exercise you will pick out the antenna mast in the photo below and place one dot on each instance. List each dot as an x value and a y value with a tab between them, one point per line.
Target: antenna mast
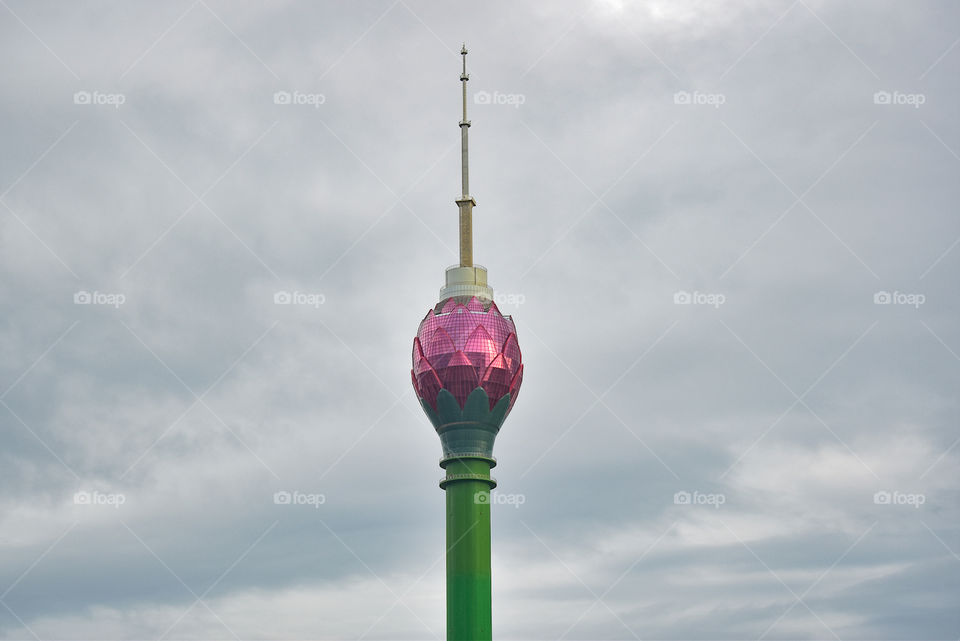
466	203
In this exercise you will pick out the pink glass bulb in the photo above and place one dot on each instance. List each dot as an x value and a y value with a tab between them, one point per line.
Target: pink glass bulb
461	346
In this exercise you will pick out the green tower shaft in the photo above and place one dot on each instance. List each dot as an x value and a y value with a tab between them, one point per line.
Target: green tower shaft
468	485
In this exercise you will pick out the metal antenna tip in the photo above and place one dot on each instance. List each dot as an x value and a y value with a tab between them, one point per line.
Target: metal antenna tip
463	49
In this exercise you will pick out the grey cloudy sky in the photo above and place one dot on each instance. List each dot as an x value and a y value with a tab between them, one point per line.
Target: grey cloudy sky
727	232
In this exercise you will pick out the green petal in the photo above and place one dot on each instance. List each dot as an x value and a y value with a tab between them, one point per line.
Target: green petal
447	408
477	407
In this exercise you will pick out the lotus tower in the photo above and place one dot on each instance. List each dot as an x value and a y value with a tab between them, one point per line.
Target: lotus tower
467	371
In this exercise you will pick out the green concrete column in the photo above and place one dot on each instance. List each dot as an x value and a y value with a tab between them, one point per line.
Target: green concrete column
468	486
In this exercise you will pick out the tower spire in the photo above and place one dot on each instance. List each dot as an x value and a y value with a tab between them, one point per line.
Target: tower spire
466	279
466	203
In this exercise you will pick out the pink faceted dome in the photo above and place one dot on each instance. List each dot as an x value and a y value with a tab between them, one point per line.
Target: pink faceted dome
464	344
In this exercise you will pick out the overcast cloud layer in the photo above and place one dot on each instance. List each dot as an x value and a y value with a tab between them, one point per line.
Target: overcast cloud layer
728	233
